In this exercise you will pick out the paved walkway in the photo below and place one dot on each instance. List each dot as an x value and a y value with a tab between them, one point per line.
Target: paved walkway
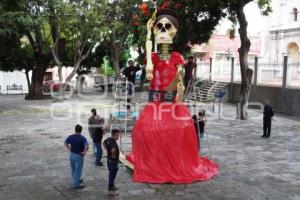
34	163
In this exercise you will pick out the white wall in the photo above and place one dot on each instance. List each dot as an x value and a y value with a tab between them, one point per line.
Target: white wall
9	78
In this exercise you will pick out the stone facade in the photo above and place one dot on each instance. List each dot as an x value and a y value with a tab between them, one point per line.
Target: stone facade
283	37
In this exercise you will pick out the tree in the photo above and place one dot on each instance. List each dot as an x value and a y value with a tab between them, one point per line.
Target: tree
236	14
25	20
80	29
118	33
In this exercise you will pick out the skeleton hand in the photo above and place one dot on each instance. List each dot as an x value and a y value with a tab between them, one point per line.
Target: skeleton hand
149	71
149	28
180	88
180	91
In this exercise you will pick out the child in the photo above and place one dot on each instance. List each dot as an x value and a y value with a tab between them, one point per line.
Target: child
196	128
202	121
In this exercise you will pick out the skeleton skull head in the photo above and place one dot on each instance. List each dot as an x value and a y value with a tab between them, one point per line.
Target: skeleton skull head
164	31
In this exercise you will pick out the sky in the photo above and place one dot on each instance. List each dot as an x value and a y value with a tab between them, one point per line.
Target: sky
256	22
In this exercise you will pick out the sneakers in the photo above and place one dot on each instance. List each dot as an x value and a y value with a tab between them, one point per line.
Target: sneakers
100	164
79	187
112	193
115	188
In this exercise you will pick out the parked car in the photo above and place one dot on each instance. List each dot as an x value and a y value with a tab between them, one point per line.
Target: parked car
47	85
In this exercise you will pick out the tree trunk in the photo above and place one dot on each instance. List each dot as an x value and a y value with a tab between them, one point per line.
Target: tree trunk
116	64
115	58
27	79
246	72
36	86
75	68
55	53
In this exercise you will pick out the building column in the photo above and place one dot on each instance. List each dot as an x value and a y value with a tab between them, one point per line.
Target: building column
232	70
255	70
210	70
285	69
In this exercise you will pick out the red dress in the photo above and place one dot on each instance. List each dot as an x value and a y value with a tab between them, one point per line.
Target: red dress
164	144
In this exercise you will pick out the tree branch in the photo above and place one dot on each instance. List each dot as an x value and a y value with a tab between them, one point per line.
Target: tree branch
55	54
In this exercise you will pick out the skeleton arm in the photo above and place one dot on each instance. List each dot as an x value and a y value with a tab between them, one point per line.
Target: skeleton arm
180	86
177	83
149	66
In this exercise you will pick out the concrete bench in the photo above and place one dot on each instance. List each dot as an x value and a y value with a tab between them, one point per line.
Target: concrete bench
14	87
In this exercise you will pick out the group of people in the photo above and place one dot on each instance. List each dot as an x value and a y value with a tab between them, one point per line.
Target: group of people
78	146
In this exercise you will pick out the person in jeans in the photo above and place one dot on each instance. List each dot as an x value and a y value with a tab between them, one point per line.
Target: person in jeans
112	160
97	140
78	146
94	122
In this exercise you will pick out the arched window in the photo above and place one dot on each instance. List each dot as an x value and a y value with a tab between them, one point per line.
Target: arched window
295	14
293	51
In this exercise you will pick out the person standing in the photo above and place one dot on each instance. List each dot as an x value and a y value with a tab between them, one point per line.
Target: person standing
130	73
267	121
196	124
94	122
78	146
97	140
189	71
199	124
113	152
202	121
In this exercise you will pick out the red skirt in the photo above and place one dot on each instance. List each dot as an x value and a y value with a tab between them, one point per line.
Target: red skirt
164	147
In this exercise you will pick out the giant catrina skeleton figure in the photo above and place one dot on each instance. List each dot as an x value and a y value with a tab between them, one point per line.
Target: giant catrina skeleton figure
164	139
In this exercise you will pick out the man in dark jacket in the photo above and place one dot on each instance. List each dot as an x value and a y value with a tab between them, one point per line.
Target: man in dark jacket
130	73
94	122
268	114
113	152
97	140
189	72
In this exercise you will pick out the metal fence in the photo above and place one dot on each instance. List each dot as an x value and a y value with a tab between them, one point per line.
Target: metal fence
270	74
267	73
237	71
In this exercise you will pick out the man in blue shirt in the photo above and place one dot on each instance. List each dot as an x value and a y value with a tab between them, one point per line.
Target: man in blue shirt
78	146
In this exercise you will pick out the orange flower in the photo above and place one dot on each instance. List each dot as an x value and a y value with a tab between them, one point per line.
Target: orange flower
144	8
165	4
135	16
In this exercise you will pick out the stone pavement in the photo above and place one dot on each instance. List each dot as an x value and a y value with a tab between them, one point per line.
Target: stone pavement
34	163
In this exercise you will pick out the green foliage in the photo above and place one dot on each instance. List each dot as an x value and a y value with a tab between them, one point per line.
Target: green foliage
15	54
232	6
106	68
80	24
265	6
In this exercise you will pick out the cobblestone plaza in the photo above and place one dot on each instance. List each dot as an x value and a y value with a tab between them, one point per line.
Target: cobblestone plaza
34	163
